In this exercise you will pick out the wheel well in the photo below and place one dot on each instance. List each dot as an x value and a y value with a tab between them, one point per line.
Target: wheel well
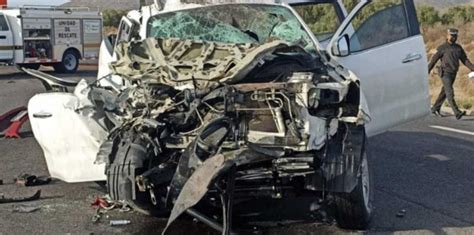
75	50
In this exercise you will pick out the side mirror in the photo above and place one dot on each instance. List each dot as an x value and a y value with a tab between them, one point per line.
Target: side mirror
342	47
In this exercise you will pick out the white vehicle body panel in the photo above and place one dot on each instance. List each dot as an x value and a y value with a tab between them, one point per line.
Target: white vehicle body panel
396	92
394	85
69	139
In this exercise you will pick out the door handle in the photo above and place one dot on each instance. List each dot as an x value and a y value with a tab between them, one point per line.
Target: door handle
3	37
411	57
42	115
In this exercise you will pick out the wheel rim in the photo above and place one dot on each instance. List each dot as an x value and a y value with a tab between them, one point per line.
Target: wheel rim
365	183
70	62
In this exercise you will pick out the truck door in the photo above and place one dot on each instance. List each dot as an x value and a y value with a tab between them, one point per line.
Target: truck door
380	42
6	40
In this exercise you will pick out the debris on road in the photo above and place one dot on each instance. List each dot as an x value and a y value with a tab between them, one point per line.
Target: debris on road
401	213
107	203
97	216
104	204
25	209
35	196
100	202
1	182
32	180
11	122
119	222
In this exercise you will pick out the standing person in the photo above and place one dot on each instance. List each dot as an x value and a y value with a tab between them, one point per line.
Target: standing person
450	54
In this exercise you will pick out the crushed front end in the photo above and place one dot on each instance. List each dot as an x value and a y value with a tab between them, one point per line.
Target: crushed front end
221	109
219	124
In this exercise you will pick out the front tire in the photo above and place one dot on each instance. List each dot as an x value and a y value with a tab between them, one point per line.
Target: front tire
129	160
354	210
69	63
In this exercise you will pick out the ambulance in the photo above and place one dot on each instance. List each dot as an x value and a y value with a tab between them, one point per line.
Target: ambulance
61	37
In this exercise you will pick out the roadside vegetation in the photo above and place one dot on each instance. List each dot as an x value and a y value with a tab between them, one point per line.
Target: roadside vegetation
111	20
112	17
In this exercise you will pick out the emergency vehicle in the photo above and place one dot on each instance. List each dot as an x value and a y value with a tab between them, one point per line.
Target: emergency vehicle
31	36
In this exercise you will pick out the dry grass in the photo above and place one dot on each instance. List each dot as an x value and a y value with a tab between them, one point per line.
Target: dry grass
109	30
463	87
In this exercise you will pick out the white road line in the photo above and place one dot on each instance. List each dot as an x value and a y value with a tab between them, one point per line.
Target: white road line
453	130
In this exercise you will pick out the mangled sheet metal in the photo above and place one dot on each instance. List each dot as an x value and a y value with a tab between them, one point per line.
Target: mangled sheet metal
197	109
181	63
196	186
193	185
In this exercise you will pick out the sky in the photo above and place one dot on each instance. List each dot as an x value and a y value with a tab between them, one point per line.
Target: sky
16	3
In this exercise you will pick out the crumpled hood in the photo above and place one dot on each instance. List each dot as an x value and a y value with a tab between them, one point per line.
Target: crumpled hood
182	63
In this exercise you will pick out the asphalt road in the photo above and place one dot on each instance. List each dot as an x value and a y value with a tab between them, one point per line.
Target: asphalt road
425	168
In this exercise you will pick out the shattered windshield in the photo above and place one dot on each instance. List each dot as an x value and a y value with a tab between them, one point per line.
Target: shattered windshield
231	23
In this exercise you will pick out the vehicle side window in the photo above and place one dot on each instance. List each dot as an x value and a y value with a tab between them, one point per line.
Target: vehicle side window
379	23
322	19
3	24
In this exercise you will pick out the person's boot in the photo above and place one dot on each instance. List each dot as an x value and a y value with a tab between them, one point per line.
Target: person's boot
436	112
460	115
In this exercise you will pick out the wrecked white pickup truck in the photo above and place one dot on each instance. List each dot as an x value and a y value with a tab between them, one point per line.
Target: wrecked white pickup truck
201	107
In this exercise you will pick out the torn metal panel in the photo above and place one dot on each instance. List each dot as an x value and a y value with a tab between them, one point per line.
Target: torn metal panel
196	187
198	183
181	62
51	83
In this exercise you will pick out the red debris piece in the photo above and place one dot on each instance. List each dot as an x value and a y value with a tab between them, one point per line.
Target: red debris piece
100	203
13	120
14	128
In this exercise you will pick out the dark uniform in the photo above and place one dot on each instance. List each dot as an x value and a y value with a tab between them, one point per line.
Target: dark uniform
450	55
